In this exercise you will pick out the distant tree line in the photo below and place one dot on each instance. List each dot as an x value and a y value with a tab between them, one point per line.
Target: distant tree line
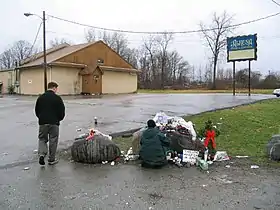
160	66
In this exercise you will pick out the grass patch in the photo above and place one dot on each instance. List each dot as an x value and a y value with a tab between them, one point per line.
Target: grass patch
245	130
192	91
123	143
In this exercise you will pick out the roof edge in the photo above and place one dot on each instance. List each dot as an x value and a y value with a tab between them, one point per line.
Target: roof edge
66	64
61	64
74	51
29	67
118	69
41	54
7	70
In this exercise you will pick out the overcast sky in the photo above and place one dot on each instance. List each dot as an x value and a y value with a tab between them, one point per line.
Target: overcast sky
146	15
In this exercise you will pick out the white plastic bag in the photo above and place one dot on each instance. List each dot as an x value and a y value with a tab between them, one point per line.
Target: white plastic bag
188	125
161	118
221	156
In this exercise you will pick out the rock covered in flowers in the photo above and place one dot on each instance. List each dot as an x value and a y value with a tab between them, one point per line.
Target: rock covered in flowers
273	148
179	142
96	149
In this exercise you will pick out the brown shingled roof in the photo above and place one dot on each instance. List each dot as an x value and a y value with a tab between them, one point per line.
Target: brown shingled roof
41	54
57	54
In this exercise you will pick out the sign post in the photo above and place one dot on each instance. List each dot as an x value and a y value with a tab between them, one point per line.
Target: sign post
233	79
249	79
242	48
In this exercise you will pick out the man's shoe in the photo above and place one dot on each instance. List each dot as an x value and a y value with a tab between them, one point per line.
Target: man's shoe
53	162
42	160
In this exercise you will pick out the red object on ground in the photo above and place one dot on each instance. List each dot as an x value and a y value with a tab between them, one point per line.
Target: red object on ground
91	135
210	135
117	159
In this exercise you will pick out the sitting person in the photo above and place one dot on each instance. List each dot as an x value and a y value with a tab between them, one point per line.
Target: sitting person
154	145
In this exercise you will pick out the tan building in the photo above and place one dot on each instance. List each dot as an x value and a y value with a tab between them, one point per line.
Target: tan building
92	68
7	78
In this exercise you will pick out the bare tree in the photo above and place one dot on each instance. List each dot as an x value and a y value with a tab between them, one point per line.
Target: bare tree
90	35
7	59
174	60
151	49
184	69
200	74
163	42
161	67
132	56
19	51
22	49
208	74
215	36
57	41
116	41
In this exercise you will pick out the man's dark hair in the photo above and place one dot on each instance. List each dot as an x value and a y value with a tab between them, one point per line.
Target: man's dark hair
52	85
151	124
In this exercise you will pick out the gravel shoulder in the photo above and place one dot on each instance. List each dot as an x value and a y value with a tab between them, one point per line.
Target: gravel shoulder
77	186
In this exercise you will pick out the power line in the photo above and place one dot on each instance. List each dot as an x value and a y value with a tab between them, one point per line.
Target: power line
35	40
275	2
175	40
165	32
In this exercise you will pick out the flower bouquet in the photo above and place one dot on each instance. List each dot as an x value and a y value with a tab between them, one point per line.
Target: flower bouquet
209	133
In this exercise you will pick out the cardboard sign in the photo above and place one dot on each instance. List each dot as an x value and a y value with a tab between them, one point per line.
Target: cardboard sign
189	156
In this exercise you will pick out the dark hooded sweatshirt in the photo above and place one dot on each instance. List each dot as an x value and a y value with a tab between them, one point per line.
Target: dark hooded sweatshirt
49	108
153	147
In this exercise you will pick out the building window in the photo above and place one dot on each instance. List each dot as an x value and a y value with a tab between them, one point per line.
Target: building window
100	61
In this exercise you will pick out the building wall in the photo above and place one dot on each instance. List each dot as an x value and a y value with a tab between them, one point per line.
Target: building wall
91	54
7	78
31	81
118	82
68	79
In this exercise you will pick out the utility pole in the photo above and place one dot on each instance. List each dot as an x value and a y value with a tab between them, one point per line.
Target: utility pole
44	51
44	46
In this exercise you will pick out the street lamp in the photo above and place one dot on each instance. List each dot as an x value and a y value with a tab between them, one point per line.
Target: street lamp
44	45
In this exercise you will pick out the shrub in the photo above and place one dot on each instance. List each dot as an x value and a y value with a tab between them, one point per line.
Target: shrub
11	89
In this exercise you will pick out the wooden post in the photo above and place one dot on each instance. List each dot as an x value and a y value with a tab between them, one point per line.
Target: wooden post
249	79
233	79
45	54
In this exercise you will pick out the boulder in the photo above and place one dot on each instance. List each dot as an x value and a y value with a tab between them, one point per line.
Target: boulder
275	152
179	142
95	150
273	148
136	138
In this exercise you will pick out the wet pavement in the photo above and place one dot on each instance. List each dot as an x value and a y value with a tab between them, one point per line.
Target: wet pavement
25	185
115	113
75	186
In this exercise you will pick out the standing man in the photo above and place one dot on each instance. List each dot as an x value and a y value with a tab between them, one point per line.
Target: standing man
50	110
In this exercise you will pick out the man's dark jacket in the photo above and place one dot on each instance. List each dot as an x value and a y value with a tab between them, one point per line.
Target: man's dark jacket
49	108
153	147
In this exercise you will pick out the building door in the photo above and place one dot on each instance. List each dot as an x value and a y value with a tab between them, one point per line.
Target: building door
86	83
92	83
96	87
